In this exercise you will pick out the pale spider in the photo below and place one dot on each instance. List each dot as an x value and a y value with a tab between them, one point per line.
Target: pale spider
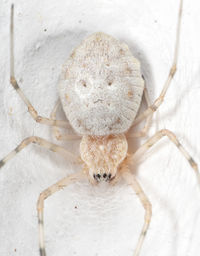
103	148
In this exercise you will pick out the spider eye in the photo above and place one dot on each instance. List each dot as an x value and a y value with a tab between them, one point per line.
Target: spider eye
105	177
97	177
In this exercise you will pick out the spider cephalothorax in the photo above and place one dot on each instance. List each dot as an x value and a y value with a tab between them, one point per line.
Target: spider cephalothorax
103	155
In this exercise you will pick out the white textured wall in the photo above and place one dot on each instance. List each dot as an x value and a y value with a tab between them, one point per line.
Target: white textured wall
83	220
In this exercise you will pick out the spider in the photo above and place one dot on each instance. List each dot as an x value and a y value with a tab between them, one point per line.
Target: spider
91	76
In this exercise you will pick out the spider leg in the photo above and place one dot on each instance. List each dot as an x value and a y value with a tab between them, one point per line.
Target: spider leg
43	143
44	195
150	110
171	136
56	131
31	109
146	127
131	180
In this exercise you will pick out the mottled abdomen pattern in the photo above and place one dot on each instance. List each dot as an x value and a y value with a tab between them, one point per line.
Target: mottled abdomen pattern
101	86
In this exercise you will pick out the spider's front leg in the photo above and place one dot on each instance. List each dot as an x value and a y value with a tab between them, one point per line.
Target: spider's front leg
43	143
131	180
171	136
44	195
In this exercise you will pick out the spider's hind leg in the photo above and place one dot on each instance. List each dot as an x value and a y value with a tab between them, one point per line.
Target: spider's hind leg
56	131
148	120
150	110
14	83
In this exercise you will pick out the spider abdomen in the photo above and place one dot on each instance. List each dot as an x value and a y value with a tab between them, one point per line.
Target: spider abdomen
101	86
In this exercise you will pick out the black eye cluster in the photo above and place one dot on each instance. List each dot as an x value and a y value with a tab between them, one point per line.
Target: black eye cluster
106	177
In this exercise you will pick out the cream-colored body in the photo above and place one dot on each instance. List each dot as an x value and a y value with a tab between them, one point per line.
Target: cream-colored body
100	89
101	86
